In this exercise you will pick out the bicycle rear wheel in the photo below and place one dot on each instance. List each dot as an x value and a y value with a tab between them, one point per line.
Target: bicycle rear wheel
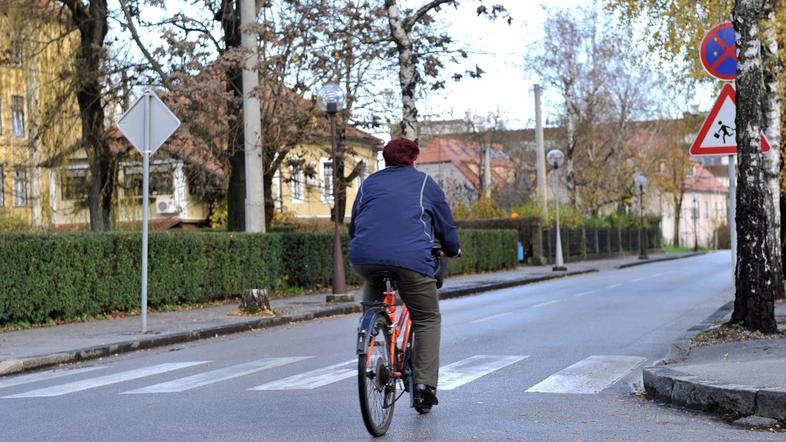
376	383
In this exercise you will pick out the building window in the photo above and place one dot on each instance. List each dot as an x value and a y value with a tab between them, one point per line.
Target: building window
73	185
327	180
2	186
297	184
20	187
18	116
161	181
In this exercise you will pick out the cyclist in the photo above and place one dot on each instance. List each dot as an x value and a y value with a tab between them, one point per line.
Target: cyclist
398	213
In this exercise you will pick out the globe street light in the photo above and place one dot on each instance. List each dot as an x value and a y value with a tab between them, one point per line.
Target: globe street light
555	158
641	182
695	197
331	99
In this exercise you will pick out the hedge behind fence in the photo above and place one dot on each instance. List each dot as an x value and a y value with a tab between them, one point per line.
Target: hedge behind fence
64	276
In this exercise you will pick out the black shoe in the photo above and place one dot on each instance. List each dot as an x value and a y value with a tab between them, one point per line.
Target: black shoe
425	396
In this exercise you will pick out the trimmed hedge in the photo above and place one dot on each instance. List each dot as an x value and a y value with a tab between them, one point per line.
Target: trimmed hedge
70	275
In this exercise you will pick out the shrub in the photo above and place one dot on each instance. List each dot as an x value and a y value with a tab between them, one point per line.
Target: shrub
70	275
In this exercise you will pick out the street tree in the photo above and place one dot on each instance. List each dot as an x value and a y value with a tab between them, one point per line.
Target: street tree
420	49
756	263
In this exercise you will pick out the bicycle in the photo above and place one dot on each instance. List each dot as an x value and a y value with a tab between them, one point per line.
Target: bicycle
384	349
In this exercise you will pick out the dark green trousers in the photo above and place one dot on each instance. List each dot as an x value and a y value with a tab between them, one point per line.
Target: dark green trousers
419	293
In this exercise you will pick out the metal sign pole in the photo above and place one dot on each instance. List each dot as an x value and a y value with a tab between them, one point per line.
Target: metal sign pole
732	218
145	197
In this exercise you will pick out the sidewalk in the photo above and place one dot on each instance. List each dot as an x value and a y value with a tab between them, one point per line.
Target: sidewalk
47	346
744	380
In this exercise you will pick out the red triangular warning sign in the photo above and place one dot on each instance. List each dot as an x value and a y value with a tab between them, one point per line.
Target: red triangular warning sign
718	133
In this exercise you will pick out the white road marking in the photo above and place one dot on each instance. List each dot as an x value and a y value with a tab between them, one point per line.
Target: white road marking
579	295
214	376
614	286
459	373
314	378
543	304
101	381
43	376
589	376
641	279
491	317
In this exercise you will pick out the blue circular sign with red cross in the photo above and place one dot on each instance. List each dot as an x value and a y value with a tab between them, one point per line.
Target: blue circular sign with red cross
719	52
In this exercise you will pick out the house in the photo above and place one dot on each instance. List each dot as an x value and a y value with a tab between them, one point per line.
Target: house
704	209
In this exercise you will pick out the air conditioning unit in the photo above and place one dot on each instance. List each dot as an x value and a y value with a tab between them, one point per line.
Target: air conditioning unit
165	206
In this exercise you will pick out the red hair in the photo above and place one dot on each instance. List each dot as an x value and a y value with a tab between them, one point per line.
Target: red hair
400	152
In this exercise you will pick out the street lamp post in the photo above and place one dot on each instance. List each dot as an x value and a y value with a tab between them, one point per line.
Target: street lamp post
331	99
555	159
695	197
641	182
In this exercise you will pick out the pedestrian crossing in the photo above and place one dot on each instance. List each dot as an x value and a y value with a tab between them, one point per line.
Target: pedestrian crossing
591	375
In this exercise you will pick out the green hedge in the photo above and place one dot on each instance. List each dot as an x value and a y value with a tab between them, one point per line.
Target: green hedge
70	275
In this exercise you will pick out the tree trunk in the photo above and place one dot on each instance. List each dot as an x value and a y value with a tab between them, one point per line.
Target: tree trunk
91	22
771	126
754	280
33	137
270	203
407	74
236	190
677	219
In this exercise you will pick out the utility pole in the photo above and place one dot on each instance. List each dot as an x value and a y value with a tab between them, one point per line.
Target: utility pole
252	122
540	155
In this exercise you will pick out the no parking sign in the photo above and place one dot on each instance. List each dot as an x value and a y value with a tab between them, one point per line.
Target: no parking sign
719	52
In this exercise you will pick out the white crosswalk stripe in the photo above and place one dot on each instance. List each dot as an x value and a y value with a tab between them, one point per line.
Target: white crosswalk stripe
101	381
591	375
459	373
314	378
43	376
214	376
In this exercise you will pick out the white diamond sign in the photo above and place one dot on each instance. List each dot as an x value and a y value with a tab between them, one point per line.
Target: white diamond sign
151	110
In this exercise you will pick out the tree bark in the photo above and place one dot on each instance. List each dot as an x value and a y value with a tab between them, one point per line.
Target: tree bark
91	22
407	74
771	126
677	219
236	190
756	269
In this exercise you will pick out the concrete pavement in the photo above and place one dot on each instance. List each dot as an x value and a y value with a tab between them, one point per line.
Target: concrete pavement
743	380
42	347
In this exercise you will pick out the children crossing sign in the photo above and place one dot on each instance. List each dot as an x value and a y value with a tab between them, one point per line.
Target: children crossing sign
718	133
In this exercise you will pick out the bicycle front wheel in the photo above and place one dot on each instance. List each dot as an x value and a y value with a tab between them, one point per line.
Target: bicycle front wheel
376	383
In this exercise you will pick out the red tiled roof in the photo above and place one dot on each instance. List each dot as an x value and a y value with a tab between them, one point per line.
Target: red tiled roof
703	180
466	156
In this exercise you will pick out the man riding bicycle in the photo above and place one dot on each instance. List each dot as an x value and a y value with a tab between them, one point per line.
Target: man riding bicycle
398	214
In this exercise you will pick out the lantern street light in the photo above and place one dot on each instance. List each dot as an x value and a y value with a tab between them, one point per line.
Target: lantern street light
641	183
555	158
331	99
695	197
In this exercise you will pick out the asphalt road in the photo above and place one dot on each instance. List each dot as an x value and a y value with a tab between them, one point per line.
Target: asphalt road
559	360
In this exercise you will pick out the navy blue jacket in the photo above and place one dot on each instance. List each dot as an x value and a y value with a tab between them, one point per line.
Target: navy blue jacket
397	214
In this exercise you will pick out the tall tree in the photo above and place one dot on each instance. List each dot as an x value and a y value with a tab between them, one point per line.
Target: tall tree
756	265
90	19
419	49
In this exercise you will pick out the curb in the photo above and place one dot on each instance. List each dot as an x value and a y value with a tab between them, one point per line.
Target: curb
15	366
679	349
650	261
678	388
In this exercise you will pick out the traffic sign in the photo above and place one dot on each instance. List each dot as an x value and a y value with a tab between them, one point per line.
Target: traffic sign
718	52
162	123
718	133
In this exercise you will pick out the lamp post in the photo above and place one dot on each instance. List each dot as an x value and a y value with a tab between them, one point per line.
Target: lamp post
331	99
695	197
641	182
555	159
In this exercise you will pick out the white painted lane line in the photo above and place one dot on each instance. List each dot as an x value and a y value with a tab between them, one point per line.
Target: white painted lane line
543	304
592	375
459	373
579	295
614	286
101	381
44	376
214	376
640	279
491	317
314	378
